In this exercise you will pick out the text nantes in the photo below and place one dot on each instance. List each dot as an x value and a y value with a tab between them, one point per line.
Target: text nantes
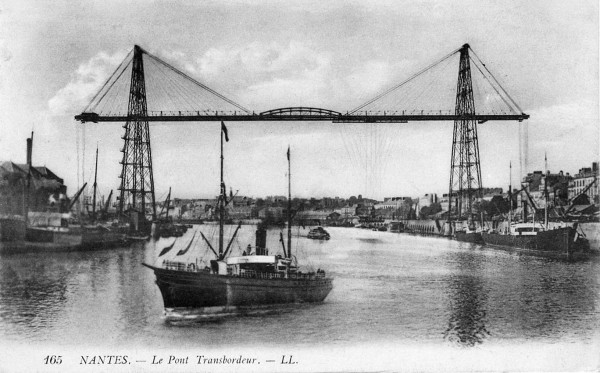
104	359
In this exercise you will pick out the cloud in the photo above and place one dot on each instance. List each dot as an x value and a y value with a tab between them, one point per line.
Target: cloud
5	53
270	73
370	77
568	133
585	112
84	83
258	59
179	59
374	76
5	57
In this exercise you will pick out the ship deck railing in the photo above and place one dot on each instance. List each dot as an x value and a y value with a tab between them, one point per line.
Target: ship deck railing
191	267
275	275
261	275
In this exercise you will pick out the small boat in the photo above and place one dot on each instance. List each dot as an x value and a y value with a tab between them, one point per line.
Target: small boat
166	230
137	237
469	234
254	279
397	227
318	233
164	226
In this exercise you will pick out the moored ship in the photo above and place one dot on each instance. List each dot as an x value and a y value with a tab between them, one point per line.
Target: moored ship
50	226
557	240
560	240
48	231
230	283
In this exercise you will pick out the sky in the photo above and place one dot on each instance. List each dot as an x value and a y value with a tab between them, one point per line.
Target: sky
54	56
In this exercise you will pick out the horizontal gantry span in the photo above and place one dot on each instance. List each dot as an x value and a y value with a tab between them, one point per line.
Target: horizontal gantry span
295	114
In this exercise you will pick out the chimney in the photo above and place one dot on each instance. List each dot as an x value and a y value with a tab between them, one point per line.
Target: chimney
29	149
595	166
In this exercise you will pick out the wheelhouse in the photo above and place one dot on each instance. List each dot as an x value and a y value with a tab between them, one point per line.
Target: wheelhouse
254	265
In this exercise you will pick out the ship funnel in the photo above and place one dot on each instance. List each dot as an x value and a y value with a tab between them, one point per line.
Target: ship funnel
261	240
29	149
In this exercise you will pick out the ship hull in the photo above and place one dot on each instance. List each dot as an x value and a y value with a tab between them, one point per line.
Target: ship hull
557	243
183	289
472	237
320	237
46	240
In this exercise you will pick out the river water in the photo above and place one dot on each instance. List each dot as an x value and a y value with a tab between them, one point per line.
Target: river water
389	290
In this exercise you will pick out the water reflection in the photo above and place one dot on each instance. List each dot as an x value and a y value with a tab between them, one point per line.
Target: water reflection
30	296
468	302
549	298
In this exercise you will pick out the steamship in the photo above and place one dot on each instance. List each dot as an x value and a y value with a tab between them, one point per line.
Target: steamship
256	278
560	240
556	240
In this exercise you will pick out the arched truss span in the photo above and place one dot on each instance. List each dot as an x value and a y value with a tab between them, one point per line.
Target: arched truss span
301	111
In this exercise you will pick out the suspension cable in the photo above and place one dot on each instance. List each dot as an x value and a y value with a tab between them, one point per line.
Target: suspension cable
405	81
499	85
174	69
108	80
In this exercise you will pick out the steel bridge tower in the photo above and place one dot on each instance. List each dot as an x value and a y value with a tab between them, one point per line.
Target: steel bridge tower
137	180
465	169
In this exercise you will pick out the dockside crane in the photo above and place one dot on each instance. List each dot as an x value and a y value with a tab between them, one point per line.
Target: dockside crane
76	196
584	191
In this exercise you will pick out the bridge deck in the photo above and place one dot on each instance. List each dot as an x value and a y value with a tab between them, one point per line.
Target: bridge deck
341	118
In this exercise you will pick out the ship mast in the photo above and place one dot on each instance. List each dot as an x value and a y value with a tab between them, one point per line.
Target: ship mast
221	198
546	190
510	195
26	194
289	207
95	186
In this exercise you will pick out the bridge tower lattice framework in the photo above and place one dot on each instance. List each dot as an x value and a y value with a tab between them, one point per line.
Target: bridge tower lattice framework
465	168
137	179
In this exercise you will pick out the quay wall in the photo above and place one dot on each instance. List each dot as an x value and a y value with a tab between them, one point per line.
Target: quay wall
425	226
